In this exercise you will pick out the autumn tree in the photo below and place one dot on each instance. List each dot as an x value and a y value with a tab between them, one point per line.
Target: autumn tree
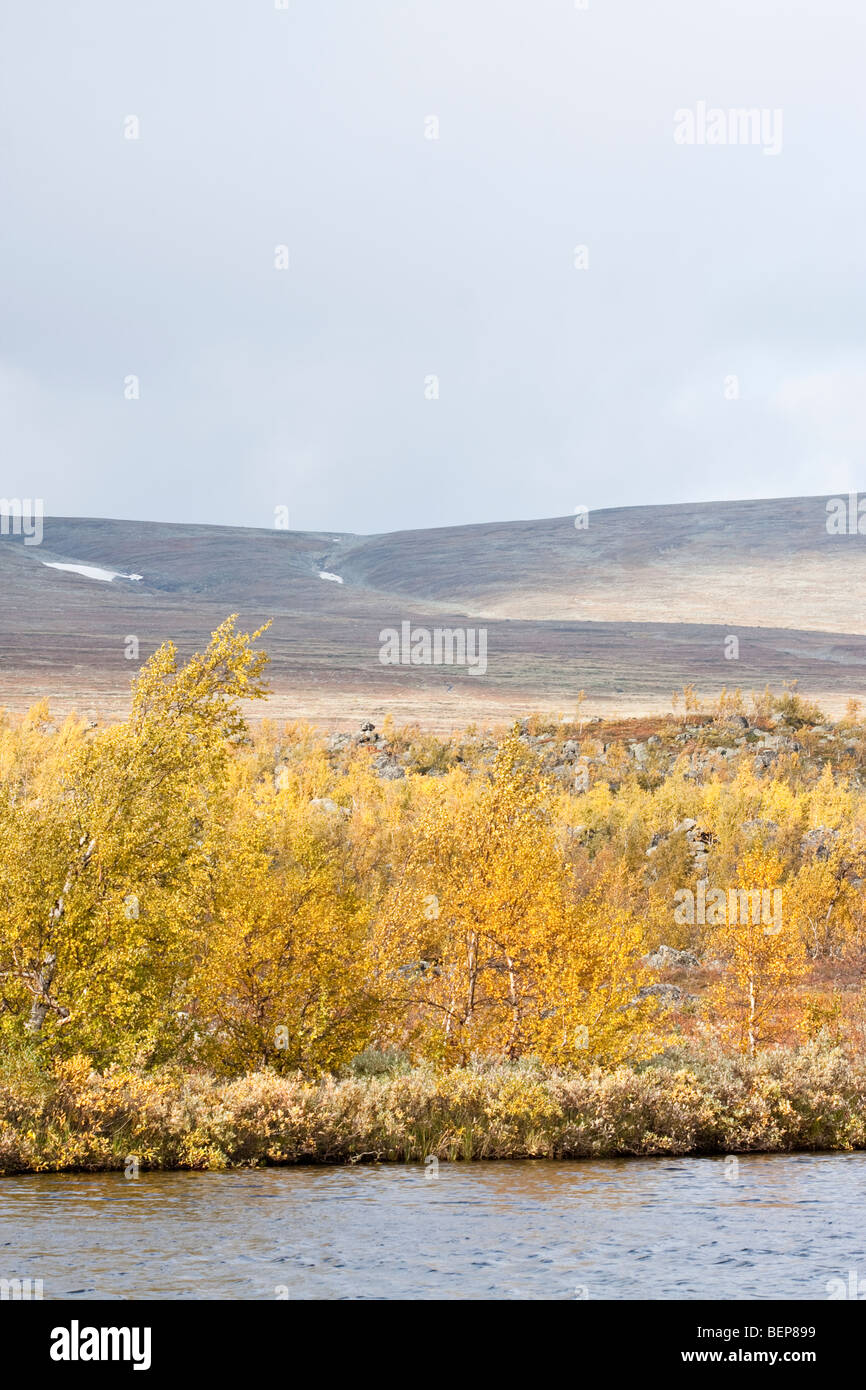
765	961
283	978
104	850
484	941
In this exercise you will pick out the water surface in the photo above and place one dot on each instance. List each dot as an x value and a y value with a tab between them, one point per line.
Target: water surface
779	1226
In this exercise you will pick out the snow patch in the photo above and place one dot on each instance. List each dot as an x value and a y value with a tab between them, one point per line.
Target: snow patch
91	571
323	574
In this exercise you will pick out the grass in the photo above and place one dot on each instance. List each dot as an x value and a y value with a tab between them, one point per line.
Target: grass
73	1118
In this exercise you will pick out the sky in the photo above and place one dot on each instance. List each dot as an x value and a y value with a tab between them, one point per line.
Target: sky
437	350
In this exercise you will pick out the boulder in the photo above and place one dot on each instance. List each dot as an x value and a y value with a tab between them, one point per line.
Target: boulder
765	759
819	842
575	832
330	808
387	767
671	994
760	827
669	958
699	839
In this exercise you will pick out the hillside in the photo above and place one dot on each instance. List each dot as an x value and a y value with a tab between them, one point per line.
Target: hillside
634	605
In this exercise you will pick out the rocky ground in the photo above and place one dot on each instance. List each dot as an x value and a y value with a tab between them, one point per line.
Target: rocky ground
576	754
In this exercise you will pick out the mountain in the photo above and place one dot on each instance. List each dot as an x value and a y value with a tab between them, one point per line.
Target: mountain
634	604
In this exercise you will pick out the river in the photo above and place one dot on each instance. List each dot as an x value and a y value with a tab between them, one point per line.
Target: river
769	1226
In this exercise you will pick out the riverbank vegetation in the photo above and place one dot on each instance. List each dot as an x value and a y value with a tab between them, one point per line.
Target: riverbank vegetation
73	1117
568	937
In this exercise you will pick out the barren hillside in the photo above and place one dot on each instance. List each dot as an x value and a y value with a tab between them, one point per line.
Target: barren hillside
640	601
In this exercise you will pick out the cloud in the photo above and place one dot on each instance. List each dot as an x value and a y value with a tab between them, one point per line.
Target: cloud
410	257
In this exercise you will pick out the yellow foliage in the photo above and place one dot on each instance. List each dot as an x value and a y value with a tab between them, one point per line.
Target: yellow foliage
766	959
180	889
486	944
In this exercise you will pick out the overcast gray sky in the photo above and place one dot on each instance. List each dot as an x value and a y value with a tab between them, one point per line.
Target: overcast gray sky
411	257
